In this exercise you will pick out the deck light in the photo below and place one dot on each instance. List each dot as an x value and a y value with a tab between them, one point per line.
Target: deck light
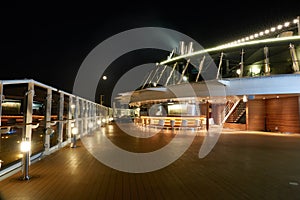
99	122
74	132
25	148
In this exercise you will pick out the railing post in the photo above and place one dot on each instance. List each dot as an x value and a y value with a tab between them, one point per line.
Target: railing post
1	99
60	118
47	120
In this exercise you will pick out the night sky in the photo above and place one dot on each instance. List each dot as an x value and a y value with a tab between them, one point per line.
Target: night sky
48	43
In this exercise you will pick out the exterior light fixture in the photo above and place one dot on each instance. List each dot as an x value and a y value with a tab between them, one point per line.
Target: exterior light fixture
295	21
74	132
286	24
245	99
279	27
25	148
273	29
104	77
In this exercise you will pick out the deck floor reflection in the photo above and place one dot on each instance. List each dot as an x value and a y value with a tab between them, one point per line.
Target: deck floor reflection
242	165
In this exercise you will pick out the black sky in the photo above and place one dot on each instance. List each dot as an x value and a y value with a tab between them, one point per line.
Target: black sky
48	43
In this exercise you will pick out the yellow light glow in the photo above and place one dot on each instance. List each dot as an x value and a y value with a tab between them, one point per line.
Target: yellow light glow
221	47
74	130
279	27
25	146
255	69
273	29
286	24
295	21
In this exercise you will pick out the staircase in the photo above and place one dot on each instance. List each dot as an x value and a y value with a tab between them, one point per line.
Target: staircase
234	110
237	113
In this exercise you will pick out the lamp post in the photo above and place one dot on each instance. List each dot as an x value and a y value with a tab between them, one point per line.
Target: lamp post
25	149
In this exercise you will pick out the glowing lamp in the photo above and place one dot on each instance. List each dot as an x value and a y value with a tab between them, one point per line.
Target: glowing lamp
74	130
25	146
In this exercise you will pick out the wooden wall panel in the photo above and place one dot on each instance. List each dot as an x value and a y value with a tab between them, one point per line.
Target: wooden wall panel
283	115
256	113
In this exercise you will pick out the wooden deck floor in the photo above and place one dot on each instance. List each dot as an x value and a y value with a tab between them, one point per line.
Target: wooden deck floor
241	166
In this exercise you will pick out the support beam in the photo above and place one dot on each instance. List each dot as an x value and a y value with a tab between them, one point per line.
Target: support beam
220	65
165	67
170	75
200	68
207	115
146	79
242	64
267	69
294	58
156	70
183	71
